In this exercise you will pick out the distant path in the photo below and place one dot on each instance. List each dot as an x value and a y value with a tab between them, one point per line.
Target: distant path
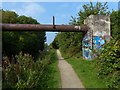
69	78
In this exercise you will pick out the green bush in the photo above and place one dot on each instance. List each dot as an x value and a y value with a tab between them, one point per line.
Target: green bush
109	64
73	51
26	73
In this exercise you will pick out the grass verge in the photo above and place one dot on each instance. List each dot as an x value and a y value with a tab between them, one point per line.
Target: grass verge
86	71
54	81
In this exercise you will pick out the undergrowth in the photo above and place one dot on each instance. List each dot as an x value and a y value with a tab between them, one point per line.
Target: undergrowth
27	73
109	64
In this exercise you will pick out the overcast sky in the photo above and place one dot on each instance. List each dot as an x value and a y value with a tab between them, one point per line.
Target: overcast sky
43	11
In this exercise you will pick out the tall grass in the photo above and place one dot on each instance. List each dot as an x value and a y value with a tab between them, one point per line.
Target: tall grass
27	73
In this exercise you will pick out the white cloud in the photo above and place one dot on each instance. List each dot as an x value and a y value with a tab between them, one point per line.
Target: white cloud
34	9
30	9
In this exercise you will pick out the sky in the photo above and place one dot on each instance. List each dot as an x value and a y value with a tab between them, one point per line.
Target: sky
43	11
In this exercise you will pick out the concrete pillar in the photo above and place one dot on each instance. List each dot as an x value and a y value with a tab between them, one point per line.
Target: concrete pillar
97	36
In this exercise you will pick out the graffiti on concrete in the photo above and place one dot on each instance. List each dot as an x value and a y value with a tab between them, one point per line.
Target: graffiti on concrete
90	43
98	42
95	39
87	45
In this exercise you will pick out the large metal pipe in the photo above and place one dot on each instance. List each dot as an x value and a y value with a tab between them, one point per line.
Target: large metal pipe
38	27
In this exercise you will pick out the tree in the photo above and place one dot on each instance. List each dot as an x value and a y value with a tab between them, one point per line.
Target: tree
9	39
90	9
115	23
72	41
32	42
55	44
27	42
9	17
26	20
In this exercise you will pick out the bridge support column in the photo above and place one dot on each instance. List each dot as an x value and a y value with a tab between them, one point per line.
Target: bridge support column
96	36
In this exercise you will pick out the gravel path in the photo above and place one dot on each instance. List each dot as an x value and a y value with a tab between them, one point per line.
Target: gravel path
69	79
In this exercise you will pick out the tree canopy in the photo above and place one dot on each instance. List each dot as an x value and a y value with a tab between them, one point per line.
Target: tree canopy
71	41
27	42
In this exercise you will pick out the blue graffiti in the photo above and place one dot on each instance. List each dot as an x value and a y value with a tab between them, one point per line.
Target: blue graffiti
98	42
87	44
87	53
102	42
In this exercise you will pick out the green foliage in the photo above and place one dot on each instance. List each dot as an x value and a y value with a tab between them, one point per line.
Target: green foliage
9	17
10	43
26	20
71	42
27	42
90	9
54	81
26	73
26	70
68	42
55	44
115	23
109	64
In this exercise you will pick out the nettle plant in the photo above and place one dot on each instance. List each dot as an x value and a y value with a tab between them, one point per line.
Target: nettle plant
109	64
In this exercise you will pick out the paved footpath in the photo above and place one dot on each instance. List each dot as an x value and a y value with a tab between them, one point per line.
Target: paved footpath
69	79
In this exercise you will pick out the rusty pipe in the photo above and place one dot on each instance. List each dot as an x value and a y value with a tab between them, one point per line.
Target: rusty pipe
38	27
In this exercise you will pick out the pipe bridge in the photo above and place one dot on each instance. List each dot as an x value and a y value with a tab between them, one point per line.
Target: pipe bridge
38	27
97	28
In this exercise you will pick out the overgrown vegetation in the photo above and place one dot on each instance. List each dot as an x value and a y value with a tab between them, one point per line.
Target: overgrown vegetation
115	23
107	67
109	64
27	42
27	60
26	73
